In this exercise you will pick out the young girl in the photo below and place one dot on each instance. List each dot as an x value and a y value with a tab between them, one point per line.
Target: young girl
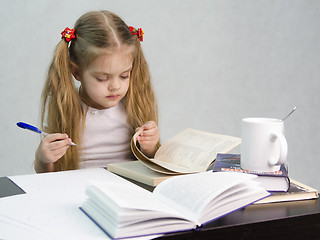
115	97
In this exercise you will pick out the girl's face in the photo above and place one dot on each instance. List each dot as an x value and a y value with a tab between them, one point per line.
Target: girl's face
106	80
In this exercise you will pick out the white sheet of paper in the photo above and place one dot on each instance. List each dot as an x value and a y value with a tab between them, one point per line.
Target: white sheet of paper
50	207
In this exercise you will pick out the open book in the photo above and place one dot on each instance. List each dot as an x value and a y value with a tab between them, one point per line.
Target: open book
189	151
179	203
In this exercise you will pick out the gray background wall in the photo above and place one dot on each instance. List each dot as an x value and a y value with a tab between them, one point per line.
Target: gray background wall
212	62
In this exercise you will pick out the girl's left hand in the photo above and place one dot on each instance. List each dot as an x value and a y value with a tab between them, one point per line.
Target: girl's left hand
148	138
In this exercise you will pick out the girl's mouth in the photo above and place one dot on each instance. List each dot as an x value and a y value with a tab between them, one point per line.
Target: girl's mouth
113	96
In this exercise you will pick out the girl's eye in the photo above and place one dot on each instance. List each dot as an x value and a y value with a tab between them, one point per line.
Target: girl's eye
124	77
101	79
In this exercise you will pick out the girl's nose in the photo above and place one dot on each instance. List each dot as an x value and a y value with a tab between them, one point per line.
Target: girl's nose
114	84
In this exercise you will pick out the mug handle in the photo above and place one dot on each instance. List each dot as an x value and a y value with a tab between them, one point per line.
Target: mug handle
283	149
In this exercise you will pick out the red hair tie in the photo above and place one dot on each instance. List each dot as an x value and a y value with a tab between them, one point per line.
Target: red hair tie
138	32
68	34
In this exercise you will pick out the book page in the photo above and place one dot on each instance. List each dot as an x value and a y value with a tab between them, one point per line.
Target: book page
187	152
131	208
126	196
191	194
145	160
194	150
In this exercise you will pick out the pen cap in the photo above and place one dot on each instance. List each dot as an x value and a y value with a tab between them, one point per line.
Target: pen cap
29	127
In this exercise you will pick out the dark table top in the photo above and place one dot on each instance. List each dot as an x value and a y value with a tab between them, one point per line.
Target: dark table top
286	220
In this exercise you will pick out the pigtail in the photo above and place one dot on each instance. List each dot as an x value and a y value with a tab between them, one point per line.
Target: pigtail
61	105
140	100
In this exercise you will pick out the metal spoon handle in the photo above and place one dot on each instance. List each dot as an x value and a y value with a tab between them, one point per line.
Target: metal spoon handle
289	114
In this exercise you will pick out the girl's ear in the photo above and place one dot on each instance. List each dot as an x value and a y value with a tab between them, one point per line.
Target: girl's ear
75	70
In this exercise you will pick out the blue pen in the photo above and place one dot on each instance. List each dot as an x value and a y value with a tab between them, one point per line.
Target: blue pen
35	129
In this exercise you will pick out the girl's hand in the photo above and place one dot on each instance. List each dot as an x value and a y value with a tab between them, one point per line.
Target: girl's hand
51	149
148	138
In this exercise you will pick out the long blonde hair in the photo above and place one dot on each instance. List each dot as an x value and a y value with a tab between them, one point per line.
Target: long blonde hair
62	111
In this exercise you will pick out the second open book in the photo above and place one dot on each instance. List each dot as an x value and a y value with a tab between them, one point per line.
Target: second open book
187	152
179	203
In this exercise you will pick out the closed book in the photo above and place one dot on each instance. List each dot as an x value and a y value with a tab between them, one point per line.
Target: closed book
137	171
277	181
297	191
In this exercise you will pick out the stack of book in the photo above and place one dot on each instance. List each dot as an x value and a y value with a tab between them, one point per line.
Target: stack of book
272	181
192	151
281	187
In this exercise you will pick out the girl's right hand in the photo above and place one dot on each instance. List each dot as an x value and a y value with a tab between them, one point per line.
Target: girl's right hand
52	148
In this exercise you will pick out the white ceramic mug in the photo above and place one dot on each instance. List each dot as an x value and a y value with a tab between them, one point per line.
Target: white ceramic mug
263	144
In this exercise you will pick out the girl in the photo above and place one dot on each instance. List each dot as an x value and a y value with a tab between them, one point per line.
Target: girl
115	97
